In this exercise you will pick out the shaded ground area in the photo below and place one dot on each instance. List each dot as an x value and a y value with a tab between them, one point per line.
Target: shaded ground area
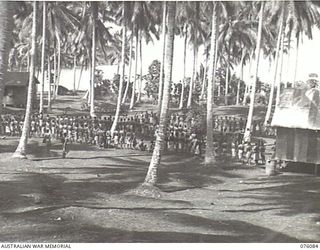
89	197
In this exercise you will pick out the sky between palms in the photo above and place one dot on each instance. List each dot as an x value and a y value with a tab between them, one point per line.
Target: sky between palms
309	60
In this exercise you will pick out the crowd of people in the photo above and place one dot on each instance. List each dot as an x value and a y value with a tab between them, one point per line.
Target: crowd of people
138	131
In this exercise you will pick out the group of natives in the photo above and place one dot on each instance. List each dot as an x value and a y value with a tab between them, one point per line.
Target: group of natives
139	131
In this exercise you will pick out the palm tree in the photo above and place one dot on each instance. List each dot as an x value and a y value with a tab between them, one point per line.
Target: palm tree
296	60
124	34
129	71
132	100
5	36
195	52
163	37
241	77
44	23
94	13
141	65
247	134
49	83
209	155
184	67
151	177
203	87
21	149
144	16
268	113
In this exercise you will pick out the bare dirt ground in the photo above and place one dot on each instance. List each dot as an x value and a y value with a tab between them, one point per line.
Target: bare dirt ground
89	197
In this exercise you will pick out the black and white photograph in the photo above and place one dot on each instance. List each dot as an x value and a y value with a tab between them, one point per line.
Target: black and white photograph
159	122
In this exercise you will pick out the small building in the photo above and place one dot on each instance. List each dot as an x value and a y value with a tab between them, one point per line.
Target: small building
297	120
16	89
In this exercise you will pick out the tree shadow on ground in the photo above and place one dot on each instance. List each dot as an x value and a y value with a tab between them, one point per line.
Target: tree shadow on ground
293	194
189	228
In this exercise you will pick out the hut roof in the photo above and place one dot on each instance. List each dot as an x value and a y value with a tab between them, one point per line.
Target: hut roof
298	108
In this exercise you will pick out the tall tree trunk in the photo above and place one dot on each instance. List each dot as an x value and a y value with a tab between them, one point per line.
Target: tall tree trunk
247	88
21	149
151	177
44	21
5	40
247	133
288	66
74	72
140	78
226	91
123	57
195	57
54	69
209	155
241	78
49	83
90	81
269	109
280	70
28	63
135	74
296	61
79	80
184	67
216	60
193	77
204	76
58	65
163	37
129	72
93	57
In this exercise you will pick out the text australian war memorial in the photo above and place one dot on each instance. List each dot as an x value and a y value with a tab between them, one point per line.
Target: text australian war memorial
159	121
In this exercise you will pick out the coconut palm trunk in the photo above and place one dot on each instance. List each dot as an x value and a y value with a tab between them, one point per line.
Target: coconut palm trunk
195	56
90	80
247	88
74	72
247	133
269	109
226	90
44	21
163	39
280	70
129	73
123	51
140	78
209	154
296	60
184	68
151	177
241	78
21	149
54	69
93	57
49	83
80	76
204	77
132	101
57	82
5	40
193	77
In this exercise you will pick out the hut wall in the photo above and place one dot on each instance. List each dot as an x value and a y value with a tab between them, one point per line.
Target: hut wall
298	145
15	96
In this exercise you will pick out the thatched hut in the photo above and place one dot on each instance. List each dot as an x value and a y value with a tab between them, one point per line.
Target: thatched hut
297	119
16	88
